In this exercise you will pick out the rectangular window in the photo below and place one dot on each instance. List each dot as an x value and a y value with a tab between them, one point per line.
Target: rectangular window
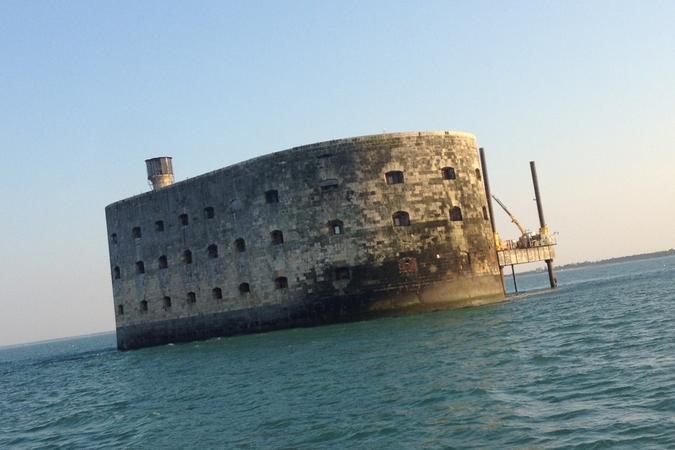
272	196
342	273
394	177
329	185
448	173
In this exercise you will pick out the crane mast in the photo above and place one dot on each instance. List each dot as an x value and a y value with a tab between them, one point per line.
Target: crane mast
513	218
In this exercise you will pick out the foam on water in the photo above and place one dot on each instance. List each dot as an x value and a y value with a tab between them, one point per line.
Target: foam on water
591	365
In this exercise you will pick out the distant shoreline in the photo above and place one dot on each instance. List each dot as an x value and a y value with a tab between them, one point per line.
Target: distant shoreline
52	340
618	259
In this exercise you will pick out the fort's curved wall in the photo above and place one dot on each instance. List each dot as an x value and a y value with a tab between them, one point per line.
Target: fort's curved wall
370	268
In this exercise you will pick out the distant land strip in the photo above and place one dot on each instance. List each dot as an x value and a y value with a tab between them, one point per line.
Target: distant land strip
619	259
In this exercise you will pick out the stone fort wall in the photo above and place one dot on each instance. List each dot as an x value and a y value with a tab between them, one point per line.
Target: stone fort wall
338	230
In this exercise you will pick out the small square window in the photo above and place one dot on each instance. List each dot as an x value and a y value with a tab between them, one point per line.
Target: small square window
394	177
342	273
335	227
277	237
401	219
272	196
281	283
448	173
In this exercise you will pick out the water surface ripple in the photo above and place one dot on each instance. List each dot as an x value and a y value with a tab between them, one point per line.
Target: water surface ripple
591	365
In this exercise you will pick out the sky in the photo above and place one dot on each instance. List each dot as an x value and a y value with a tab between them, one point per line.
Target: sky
88	90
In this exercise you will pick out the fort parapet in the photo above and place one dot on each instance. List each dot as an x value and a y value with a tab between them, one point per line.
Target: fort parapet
339	230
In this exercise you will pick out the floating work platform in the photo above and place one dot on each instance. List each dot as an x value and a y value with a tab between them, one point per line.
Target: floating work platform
509	257
529	247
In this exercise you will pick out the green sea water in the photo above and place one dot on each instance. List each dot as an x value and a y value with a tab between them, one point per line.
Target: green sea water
590	365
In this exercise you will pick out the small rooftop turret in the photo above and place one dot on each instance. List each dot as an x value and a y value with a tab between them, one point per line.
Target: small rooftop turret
160	172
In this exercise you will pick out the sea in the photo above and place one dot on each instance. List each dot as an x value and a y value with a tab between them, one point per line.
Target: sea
589	365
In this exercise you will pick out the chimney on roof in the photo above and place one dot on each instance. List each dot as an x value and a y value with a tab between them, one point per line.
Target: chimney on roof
160	172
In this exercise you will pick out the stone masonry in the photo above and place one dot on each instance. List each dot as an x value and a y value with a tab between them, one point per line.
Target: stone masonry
340	230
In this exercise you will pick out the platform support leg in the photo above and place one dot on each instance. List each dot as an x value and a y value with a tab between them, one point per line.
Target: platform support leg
542	222
513	273
551	275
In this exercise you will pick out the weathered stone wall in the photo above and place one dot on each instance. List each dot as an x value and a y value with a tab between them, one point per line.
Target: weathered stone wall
372	267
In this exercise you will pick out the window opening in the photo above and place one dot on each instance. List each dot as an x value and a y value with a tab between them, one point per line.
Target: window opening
159	226
140	267
401	219
342	273
478	175
184	219
394	177
209	212
167	302
244	288
144	306
217	293
116	272
120	310
212	251
329	185
113	238
335	227
187	257
485	213
163	262
456	214
277	237
272	196
136	232
191	298
281	283
448	173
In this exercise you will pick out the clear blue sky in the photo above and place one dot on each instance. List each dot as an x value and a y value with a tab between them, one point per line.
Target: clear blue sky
88	90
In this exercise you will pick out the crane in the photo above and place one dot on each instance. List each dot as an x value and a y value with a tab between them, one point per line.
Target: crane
513	218
525	239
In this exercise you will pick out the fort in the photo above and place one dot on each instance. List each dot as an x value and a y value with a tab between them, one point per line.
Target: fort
341	230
